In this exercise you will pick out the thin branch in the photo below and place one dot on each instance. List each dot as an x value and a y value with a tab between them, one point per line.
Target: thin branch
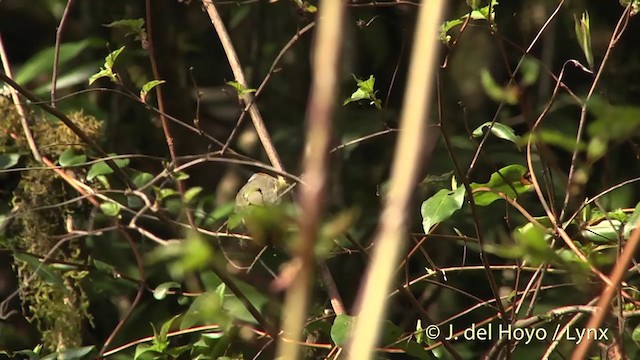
615	36
266	79
320	111
236	68
19	108
56	55
71	125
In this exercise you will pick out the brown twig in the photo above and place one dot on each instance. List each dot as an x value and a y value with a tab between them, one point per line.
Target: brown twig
59	31
271	71
19	108
236	68
325	79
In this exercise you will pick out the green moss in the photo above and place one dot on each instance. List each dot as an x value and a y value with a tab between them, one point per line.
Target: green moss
39	226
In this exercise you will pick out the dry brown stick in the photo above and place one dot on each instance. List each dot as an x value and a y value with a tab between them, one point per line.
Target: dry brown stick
236	68
407	159
319	115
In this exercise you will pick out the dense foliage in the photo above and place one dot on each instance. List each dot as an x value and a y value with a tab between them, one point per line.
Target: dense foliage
131	227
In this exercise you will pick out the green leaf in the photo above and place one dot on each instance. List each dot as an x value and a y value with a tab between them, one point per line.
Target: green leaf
110	208
142	179
341	329
180	175
530	70
101	168
509	180
41	269
8	161
556	138
487	13
365	91
164	330
497	93
42	62
132	26
630	225
76	353
205	309
110	60
583	34
238	310
446	26
144	352
70	158
160	292
501	131
107	69
148	87
635	336
605	231
240	89
191	193
440	207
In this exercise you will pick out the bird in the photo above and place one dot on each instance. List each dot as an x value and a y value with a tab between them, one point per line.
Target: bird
260	190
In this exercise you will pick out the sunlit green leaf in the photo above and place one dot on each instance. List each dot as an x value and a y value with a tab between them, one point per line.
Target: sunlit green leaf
632	221
76	353
499	130
508	94
529	70
341	329
70	158
101	168
42	62
107	69
110	208
240	89
8	160
191	193
132	26
441	206
583	34
148	87
510	180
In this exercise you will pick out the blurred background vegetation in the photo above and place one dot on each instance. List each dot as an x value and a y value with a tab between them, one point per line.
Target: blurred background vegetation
103	273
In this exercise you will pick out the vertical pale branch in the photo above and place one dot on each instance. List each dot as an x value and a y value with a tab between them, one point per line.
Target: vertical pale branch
326	63
236	68
390	238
